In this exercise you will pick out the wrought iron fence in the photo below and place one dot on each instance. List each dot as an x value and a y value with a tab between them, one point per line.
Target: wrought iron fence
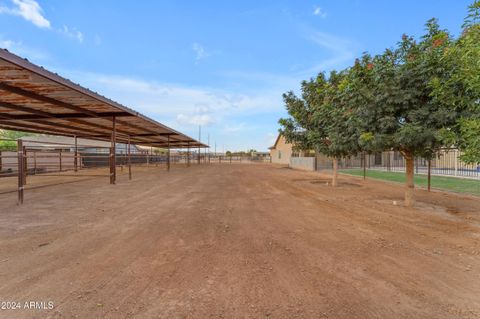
446	163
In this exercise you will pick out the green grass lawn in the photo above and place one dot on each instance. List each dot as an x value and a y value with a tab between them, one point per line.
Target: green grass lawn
460	185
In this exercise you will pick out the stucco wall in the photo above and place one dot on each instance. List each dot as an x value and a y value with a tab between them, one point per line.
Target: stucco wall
282	152
303	163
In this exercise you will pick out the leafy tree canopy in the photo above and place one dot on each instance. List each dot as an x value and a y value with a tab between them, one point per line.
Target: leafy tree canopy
460	88
8	139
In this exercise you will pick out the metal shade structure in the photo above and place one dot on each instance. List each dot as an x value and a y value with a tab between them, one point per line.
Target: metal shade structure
35	100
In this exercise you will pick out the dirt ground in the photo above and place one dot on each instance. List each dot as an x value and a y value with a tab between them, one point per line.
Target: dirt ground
239	241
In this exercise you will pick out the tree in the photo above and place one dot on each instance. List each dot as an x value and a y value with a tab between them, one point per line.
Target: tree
338	122
402	113
321	120
159	151
415	99
299	129
9	139
460	88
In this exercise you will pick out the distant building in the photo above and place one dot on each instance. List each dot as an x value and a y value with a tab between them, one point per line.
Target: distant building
281	151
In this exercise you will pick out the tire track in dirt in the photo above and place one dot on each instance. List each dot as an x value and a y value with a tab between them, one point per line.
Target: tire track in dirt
240	241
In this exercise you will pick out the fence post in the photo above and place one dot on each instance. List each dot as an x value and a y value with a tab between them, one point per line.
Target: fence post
75	154
199	153
388	161
113	164
20	167
188	154
129	161
429	176
34	163
364	165
455	154
25	166
168	152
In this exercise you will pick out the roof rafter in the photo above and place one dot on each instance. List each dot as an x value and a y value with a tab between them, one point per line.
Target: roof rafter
33	99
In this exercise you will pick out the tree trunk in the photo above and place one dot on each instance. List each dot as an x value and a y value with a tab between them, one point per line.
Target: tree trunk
409	195
364	165
335	172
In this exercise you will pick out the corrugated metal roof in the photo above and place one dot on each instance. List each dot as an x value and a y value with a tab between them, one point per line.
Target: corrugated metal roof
33	99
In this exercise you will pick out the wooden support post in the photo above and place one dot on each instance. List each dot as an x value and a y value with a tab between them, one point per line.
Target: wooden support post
110	163
429	176
25	166
199	155
0	161
20	167
230	159
60	159
75	155
168	153
129	161
113	173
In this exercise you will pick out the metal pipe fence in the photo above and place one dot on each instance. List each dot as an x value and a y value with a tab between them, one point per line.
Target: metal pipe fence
238	159
29	161
445	163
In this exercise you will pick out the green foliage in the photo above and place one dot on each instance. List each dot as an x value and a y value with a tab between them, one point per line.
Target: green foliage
159	151
460	88
392	96
473	17
416	98
9	139
470	134
321	120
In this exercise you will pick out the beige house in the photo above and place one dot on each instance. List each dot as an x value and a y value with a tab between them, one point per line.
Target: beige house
281	151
